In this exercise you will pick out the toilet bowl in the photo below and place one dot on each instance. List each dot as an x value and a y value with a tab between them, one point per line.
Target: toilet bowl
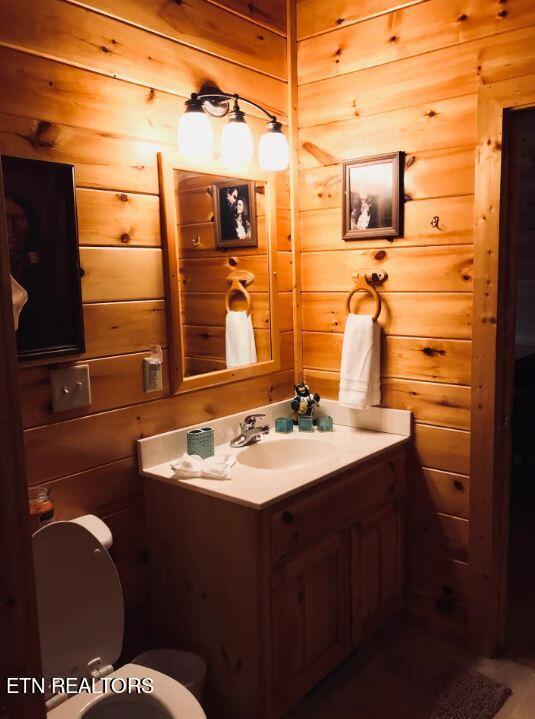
81	623
169	700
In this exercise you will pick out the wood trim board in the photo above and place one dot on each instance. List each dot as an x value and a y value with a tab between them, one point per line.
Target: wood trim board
19	648
295	230
490	481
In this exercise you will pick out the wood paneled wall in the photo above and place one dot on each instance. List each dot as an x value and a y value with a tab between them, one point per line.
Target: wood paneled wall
378	76
101	84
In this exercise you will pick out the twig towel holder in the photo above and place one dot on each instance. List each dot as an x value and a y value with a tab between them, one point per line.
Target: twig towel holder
238	281
364	282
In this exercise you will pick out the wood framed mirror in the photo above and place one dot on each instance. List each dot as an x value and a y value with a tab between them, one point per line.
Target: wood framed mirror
219	234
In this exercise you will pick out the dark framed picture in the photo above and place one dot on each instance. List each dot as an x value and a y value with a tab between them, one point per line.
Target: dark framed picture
44	260
235	214
373	197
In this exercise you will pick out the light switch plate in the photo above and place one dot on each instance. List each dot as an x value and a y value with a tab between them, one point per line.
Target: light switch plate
152	375
70	388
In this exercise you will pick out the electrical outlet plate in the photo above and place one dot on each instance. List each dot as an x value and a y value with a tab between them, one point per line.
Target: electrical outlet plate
70	388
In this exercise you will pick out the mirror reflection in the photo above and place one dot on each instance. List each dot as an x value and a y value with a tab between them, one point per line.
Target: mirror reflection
224	271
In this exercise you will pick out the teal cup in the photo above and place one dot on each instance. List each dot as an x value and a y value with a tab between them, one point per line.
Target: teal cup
325	424
306	424
284	425
201	442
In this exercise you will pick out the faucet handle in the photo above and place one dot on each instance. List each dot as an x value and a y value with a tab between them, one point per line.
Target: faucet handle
250	421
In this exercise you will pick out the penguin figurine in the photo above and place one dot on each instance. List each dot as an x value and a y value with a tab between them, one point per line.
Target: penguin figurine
304	404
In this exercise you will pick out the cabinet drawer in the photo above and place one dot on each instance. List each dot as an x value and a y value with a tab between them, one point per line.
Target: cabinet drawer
340	502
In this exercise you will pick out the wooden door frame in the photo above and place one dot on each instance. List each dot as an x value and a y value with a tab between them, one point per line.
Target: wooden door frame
19	649
489	477
293	172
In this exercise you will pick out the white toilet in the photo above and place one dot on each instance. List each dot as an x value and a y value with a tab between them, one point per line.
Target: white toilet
81	623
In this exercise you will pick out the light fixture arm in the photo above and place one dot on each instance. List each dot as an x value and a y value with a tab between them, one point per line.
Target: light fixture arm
218	96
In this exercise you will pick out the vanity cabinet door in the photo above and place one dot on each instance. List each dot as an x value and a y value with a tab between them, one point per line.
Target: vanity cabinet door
310	614
376	570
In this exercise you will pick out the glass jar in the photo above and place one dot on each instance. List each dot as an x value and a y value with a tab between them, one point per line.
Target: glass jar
41	507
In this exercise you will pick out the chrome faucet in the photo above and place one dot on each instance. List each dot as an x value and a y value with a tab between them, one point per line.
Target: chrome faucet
249	432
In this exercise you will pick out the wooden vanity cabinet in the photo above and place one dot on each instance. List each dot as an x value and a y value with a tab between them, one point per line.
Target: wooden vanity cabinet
274	599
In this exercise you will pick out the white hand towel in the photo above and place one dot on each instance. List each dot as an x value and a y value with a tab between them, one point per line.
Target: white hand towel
191	465
218	467
360	379
239	339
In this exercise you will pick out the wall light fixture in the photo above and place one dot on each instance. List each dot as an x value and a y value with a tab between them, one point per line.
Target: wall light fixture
195	133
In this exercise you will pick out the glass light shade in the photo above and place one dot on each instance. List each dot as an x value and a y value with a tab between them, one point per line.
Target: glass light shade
273	152
236	143
195	134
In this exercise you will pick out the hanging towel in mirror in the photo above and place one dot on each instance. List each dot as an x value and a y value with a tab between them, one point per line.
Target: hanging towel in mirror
239	339
360	378
19	297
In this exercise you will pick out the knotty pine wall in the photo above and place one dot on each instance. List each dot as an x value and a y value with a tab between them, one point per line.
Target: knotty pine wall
101	84
375	79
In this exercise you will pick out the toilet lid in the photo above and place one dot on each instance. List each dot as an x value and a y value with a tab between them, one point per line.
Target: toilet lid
79	600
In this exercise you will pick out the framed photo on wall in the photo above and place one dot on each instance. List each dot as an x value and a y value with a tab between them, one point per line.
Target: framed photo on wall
235	214
373	197
44	260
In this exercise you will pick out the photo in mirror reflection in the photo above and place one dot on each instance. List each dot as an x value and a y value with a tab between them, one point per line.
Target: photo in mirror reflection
235	214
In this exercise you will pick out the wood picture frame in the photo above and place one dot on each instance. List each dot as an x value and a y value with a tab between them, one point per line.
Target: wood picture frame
235	213
40	208
376	209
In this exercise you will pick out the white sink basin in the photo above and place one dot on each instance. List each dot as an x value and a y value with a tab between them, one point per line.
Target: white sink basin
291	453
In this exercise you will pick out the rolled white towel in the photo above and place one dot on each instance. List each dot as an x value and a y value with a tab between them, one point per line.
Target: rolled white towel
191	465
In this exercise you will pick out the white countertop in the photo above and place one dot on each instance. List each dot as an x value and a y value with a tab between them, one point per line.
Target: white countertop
345	447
